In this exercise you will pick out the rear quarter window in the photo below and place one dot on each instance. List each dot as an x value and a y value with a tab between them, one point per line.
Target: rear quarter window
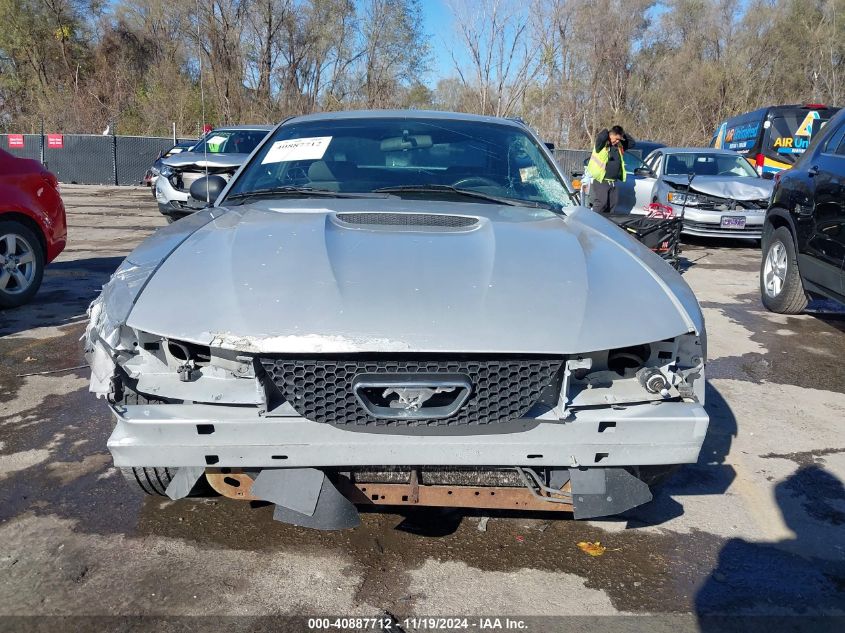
835	143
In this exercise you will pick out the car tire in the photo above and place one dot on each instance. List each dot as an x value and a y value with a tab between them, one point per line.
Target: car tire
149	480
20	282
153	481
781	288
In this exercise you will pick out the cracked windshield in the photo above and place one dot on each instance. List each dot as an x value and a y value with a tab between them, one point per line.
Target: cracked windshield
464	160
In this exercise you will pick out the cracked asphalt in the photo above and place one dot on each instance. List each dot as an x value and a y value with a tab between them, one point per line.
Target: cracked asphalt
756	527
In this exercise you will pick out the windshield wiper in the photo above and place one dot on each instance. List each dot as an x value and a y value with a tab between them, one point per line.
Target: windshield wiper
293	191
514	202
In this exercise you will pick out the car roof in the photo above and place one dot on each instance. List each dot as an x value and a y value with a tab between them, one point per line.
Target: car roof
697	150
405	114
240	128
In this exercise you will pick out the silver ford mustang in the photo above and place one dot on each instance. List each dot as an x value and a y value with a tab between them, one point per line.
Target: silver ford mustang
399	308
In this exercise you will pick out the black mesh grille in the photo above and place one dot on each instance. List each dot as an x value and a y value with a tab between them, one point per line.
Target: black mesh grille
408	219
321	389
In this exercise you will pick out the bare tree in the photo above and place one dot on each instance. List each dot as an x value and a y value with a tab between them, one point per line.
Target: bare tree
495	56
395	50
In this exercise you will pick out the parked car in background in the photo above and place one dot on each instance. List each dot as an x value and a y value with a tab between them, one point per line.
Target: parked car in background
804	228
402	308
33	228
717	190
220	152
772	138
152	173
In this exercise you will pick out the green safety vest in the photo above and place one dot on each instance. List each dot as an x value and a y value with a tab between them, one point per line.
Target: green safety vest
598	163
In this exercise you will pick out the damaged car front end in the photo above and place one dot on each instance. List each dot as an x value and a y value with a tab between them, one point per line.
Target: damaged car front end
717	191
431	344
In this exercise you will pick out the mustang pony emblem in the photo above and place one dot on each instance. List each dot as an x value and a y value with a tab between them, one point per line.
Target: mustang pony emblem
412	399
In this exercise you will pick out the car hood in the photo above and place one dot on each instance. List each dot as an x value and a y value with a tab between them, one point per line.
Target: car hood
732	188
291	277
198	159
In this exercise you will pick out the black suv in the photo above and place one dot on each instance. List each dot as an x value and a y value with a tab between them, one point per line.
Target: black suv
804	231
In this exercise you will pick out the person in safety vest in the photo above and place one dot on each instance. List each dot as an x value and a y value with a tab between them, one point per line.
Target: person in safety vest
607	168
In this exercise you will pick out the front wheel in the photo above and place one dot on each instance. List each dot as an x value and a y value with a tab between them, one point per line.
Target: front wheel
21	264
149	480
781	289
153	481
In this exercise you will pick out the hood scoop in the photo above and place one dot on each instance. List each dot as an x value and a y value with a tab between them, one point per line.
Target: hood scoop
409	220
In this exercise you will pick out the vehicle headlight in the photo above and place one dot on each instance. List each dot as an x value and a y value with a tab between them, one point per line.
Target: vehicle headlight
687	199
166	171
672	369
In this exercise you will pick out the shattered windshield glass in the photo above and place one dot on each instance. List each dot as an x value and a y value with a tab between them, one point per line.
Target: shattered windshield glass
406	157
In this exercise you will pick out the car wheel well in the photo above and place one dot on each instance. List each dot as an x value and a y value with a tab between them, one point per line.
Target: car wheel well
29	223
772	224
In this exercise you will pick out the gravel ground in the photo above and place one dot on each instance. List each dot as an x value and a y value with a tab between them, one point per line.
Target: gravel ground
755	527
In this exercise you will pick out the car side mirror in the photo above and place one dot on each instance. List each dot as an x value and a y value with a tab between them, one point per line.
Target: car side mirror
206	189
643	172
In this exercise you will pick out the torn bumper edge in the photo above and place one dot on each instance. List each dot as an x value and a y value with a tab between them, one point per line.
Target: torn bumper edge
106	315
109	311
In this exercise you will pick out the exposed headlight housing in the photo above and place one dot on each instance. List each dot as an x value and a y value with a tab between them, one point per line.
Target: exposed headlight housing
688	199
166	171
664	370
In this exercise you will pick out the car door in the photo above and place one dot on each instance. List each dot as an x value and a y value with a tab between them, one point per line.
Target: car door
655	163
631	193
825	251
644	184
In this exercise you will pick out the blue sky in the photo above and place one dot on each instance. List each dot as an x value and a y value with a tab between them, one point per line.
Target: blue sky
439	26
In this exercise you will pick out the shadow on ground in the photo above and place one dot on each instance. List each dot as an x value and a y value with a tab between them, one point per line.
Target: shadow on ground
752	578
67	290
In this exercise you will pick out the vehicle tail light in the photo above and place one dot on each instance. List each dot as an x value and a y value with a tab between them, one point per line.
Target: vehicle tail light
759	160
815	106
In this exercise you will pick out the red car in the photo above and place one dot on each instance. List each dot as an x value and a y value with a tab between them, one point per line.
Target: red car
33	227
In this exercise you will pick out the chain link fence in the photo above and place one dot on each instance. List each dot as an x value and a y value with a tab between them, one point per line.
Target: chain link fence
571	160
90	159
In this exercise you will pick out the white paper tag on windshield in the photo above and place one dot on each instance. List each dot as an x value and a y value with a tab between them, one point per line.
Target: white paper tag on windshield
311	148
216	140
